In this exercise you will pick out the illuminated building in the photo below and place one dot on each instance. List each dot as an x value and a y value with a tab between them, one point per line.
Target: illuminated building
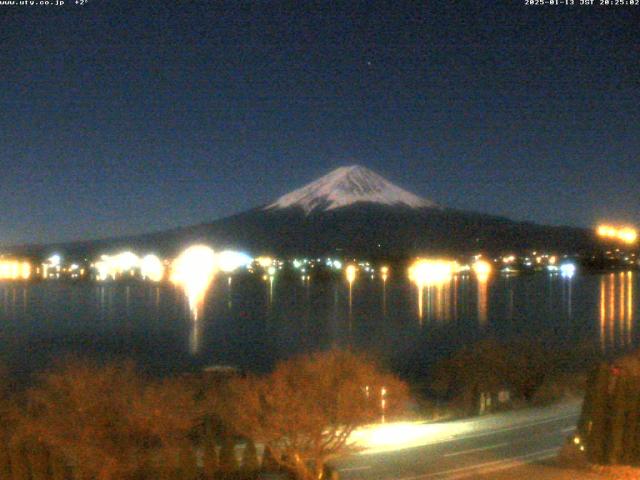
626	235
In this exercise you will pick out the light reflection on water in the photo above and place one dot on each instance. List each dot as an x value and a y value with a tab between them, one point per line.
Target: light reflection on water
250	322
483	299
616	310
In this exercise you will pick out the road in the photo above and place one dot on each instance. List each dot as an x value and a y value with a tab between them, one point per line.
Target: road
473	448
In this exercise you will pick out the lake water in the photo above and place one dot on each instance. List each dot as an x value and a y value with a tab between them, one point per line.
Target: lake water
250	325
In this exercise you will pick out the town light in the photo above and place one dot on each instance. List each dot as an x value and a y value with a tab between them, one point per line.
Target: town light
151	268
428	272
115	265
350	273
229	261
567	270
384	273
509	259
126	261
425	272
264	261
482	269
54	260
15	270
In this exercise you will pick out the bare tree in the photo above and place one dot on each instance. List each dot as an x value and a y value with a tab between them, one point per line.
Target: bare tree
107	423
306	410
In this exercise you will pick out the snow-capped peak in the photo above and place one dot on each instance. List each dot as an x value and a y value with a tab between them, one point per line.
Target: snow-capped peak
346	186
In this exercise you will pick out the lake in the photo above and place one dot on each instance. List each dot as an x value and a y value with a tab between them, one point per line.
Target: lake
247	322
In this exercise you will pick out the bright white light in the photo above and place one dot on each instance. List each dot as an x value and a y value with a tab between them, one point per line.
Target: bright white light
104	267
337	264
151	268
126	261
397	436
229	260
54	260
193	270
114	265
567	270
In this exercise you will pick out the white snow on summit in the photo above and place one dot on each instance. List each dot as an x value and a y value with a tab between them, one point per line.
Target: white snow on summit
346	186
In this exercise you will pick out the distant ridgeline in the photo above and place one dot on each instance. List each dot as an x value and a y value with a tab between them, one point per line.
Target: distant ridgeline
350	211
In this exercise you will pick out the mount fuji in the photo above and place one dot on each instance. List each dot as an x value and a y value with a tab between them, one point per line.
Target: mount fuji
348	186
353	211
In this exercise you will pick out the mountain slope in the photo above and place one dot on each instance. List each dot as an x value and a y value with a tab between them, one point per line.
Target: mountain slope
350	211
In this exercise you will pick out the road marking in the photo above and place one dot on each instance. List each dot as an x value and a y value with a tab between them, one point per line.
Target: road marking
486	467
515	427
505	466
488	447
355	469
568	429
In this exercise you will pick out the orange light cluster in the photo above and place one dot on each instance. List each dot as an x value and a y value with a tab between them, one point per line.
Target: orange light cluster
623	234
14	270
482	269
427	271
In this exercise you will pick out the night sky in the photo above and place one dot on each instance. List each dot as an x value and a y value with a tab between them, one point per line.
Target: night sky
126	117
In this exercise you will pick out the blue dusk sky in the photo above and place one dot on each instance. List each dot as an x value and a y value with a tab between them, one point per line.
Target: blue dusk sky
123	117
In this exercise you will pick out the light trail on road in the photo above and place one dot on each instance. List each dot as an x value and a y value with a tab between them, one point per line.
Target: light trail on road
464	448
487	467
